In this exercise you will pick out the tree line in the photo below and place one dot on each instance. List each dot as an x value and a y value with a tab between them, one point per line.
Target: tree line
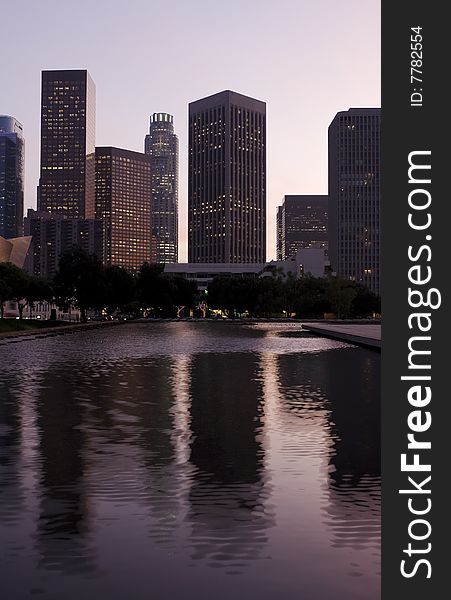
307	297
84	282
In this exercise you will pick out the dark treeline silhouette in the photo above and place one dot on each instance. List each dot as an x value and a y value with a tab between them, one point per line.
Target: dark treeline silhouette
307	297
17	286
82	281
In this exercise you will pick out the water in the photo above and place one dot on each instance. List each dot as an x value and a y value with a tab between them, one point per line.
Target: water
189	460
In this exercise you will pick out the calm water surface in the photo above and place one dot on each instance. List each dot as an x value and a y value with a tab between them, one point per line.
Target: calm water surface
189	460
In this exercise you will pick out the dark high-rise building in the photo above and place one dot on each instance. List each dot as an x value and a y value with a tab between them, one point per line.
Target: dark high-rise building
54	234
67	180
354	195
162	145
11	177
124	203
227	179
301	223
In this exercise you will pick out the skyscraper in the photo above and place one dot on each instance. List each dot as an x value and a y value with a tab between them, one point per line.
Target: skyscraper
301	223
227	179
67	181
124	203
162	145
11	177
354	195
53	234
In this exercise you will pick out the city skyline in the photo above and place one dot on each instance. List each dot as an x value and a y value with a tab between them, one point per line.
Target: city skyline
293	71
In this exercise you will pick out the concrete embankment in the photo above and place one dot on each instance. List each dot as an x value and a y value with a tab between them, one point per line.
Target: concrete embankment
367	335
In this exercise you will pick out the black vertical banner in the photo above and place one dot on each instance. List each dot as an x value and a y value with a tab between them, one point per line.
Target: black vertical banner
416	433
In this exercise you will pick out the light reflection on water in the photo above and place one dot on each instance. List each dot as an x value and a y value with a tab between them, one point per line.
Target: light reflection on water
174	460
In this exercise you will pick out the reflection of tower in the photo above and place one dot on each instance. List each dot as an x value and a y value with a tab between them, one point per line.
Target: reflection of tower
158	441
63	518
342	388
180	388
136	401
227	497
353	391
11	494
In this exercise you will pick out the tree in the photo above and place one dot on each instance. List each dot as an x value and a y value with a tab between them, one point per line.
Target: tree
341	293
366	303
184	293
7	274
13	284
236	295
80	281
120	288
154	290
38	289
307	297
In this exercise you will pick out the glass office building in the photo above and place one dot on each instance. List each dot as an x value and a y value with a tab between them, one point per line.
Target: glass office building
162	146
12	154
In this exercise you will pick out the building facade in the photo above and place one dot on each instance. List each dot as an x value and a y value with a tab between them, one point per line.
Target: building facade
162	146
51	235
301	224
227	180
204	273
67	178
354	196
123	202
12	154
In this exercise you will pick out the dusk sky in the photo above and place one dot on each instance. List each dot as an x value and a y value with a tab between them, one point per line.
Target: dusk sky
306	60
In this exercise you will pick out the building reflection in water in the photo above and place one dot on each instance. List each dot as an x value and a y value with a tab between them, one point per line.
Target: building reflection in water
228	513
343	387
11	492
152	399
225	450
62	524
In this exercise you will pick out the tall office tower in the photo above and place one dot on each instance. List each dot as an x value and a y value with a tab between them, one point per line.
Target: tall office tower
354	195
53	234
227	179
301	223
162	145
67	180
12	150
124	203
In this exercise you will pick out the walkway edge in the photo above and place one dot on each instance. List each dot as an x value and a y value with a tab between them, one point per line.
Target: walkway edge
358	340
